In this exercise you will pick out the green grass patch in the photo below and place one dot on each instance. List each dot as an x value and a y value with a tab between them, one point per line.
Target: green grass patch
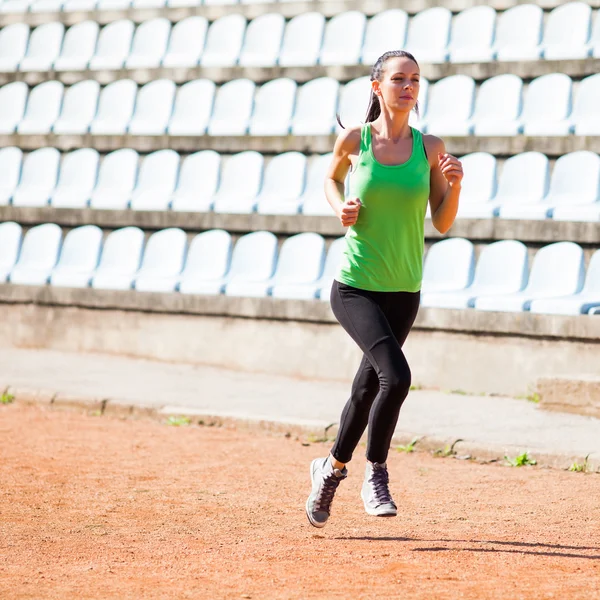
577	468
447	450
6	398
178	421
523	460
408	447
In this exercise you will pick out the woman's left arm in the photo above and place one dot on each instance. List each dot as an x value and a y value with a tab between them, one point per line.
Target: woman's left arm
445	183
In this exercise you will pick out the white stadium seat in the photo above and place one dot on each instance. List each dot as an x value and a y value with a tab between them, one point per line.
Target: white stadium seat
385	31
283	184
498	106
300	264
332	263
252	264
450	106
137	4
43	108
557	270
78	173
79	108
428	35
354	100
595	39
232	109
13	45
316	106
567	32
46	6
224	41
153	108
38	178
78	47
192	108
186	43
302	40
207	261
313	201
156	181
120	259
548	105
220	2
15	6
198	182
343	39
44	46
273	107
449	266
10	244
162	262
502	268
10	170
115	108
519	33
472	35
262	41
183	3
479	186
38	256
116	180
79	5
114	43
585	116
78	257
149	44
13	99
241	179
113	4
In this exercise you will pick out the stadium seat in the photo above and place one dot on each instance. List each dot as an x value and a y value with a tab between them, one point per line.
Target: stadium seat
78	47
332	263
302	40
78	109
567	32
114	43
10	168
220	2
78	257
113	4
207	262
313	201
137	4
186	43
15	6
116	179
595	39
524	181
10	244
557	270
115	108
343	39
450	106
273	107
77	179
44	46
120	259
162	262
585	116
38	178
428	35
478	187
316	106
13	99
449	266
241	179
252	265
299	266
384	31
149	44
79	5
548	105
193	108
262	41
354	100
46	6
472	35
13	45
183	3
198	182
43	108
501	269
232	109
283	184
156	181
581	303
39	252
224	41
519	33
498	106
153	108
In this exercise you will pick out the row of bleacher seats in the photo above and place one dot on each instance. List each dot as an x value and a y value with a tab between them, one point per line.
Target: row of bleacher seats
289	184
279	107
433	36
500	280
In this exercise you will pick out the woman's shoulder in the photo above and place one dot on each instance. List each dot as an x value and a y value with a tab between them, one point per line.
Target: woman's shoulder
348	140
433	146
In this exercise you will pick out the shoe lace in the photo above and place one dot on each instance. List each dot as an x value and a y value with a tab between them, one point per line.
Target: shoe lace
325	497
380	480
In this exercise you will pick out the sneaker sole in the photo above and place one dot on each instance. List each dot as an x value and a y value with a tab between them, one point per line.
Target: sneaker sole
308	515
374	512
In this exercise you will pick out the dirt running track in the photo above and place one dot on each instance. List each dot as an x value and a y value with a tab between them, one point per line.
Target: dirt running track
97	507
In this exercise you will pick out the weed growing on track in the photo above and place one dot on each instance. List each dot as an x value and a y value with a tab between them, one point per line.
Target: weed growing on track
447	450
178	421
408	447
523	460
6	398
577	468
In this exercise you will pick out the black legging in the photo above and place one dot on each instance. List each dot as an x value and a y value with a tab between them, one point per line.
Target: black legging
379	323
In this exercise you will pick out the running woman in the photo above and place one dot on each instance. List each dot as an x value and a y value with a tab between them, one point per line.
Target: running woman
395	171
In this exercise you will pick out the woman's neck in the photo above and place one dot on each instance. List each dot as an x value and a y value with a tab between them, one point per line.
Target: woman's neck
393	127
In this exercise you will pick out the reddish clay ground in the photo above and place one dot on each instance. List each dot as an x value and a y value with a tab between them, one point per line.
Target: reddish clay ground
94	507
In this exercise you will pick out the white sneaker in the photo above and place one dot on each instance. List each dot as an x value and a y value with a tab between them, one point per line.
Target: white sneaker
325	480
375	491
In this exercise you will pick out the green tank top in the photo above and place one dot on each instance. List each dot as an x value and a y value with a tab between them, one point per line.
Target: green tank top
384	249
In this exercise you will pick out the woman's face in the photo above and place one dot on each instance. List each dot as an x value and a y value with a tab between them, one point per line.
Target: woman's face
399	85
